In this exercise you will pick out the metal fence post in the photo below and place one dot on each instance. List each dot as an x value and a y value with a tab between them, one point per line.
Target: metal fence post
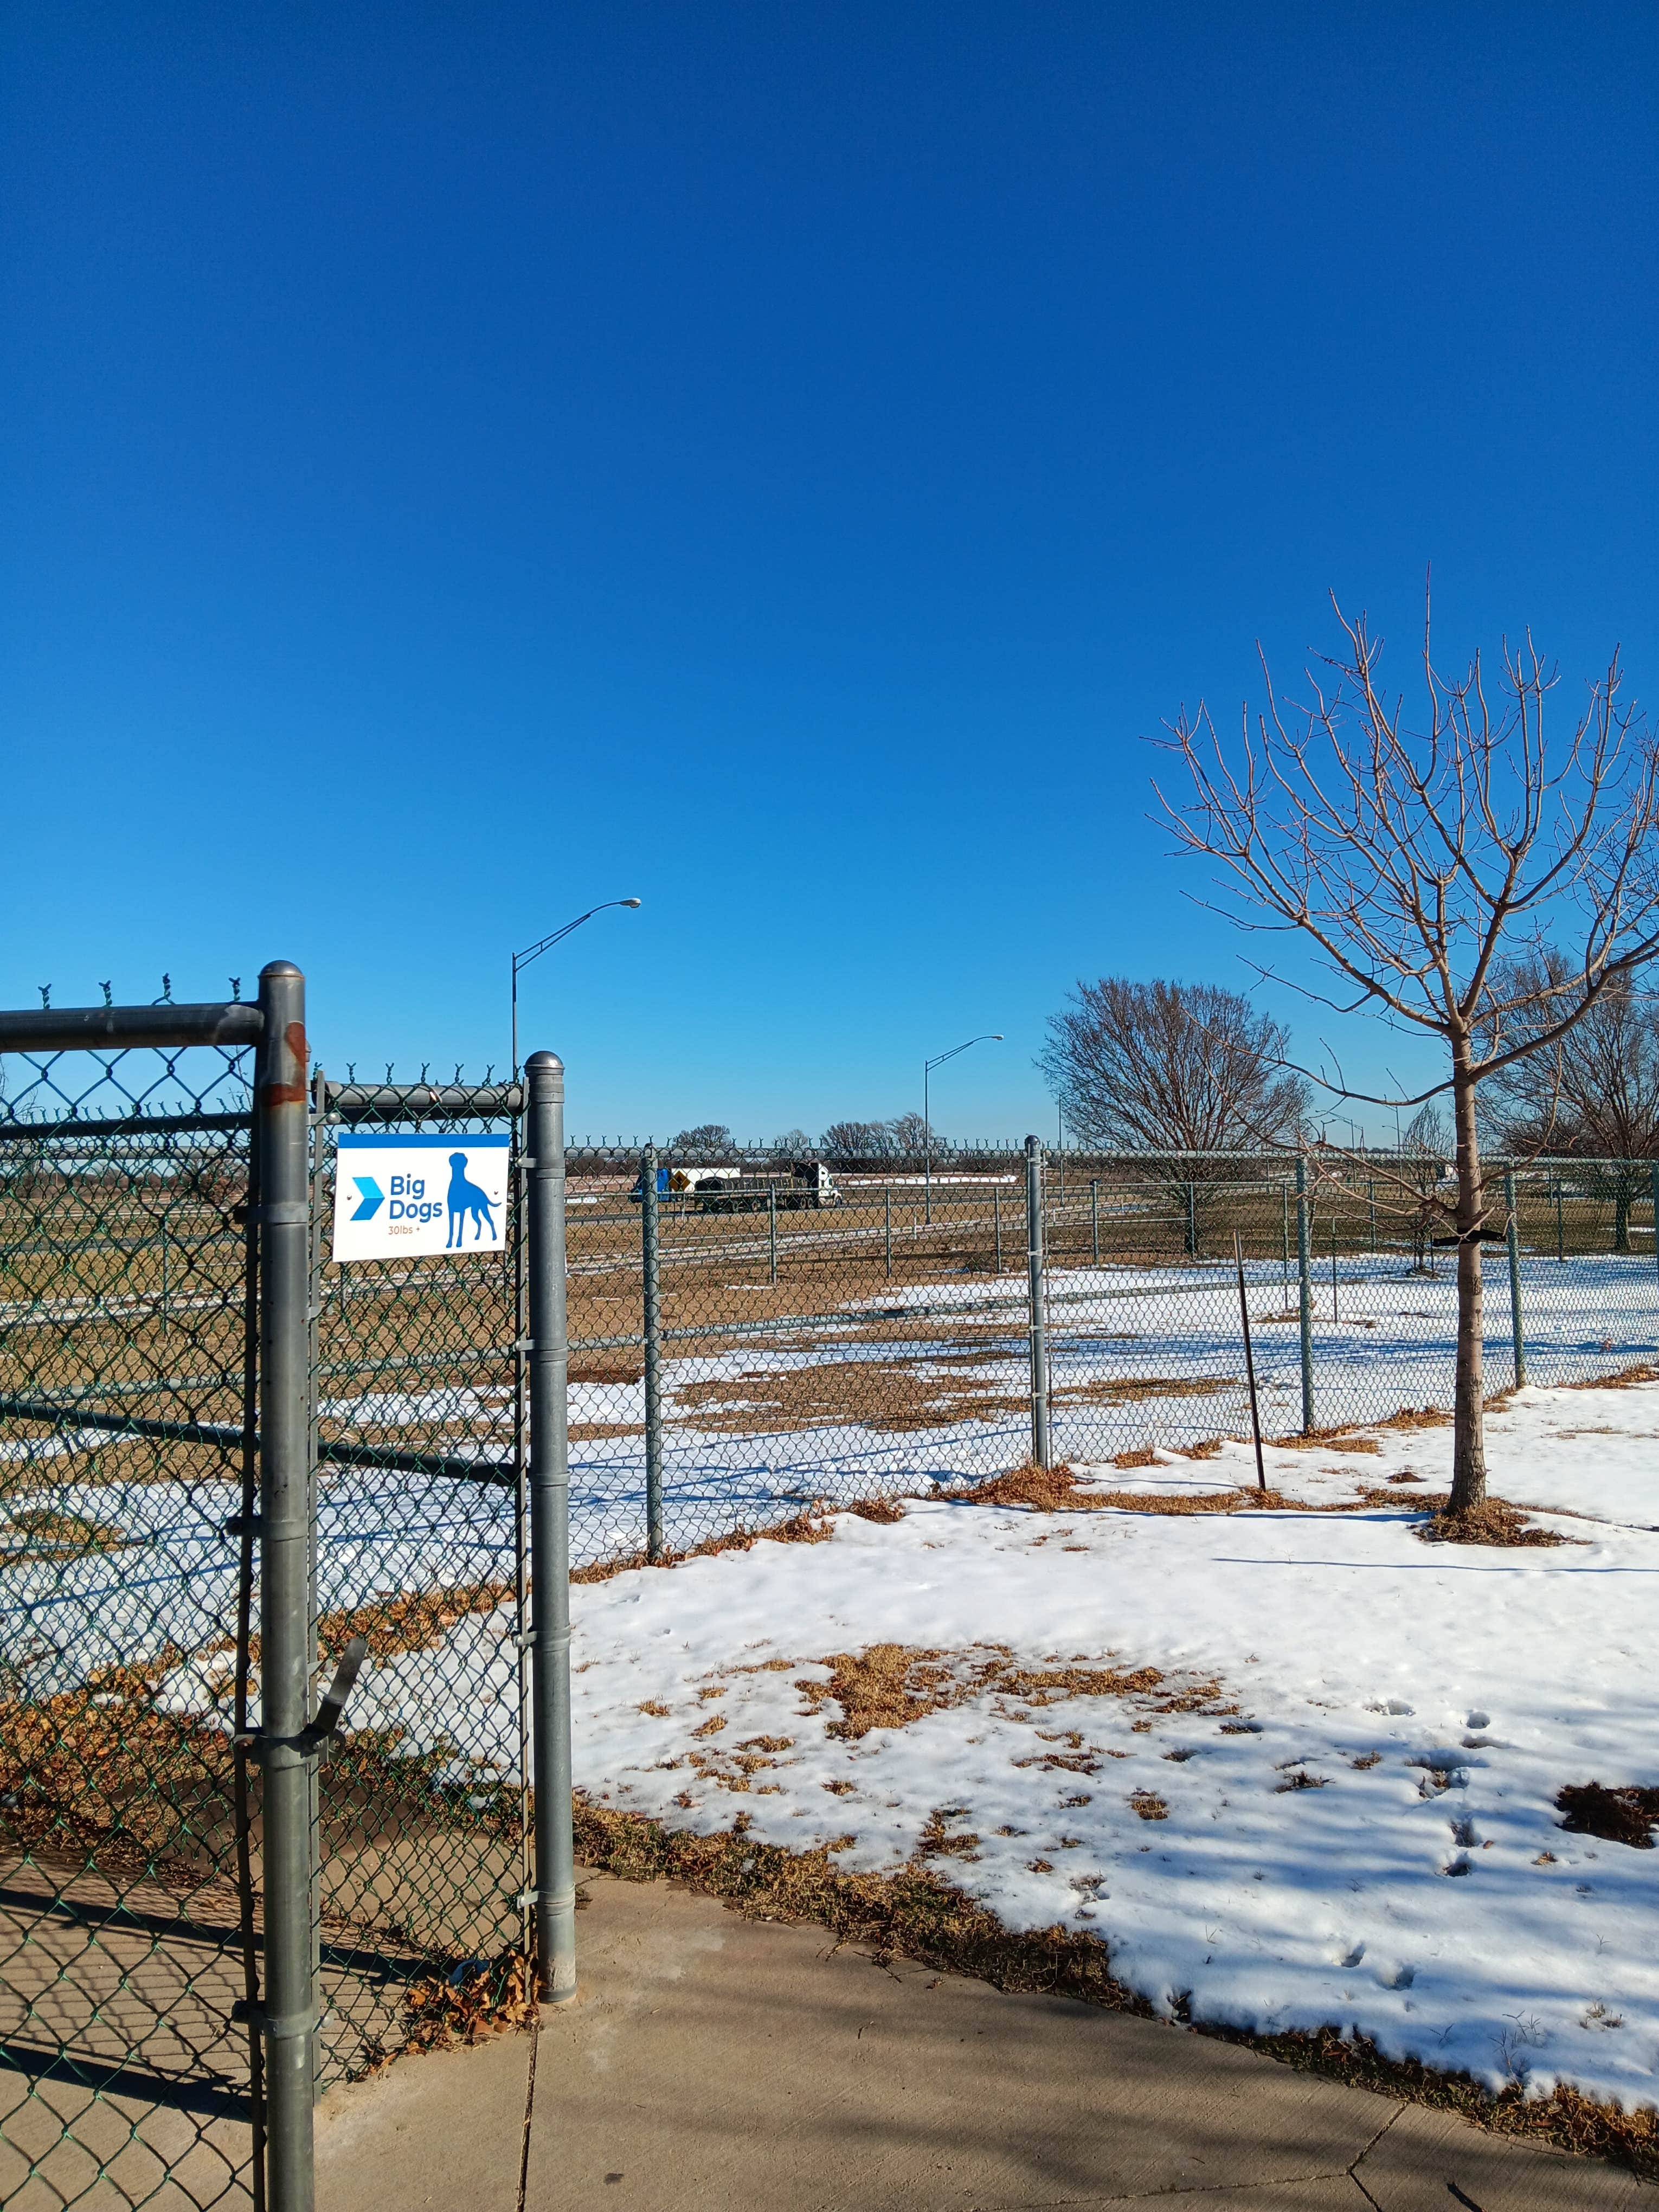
887	1221
1285	1271
1192	1221
1560	1230
1094	1220
1035	1288
996	1225
286	1658
651	1324
772	1228
550	1533
1655	1186
1305	1274
1512	1238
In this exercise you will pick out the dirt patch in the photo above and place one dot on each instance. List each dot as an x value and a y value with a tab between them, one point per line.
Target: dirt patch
593	1432
1618	1816
1128	1459
1149	1805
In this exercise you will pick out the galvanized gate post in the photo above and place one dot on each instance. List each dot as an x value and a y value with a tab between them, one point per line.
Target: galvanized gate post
1034	1287
1305	1275
286	1656
550	1532
1512	1238
651	1329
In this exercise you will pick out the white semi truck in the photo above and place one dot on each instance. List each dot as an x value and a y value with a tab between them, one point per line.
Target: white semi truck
802	1185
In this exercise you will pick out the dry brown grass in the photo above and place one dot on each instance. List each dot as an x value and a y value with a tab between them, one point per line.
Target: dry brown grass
1055	1489
895	1396
891	1685
1335	1440
1492	1522
1618	1816
43	1533
1627	1378
1133	1389
915	1913
415	1620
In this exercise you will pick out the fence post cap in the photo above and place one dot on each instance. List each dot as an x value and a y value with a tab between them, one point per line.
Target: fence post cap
274	968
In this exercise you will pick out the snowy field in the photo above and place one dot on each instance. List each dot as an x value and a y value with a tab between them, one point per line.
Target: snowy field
1138	1358
1334	1806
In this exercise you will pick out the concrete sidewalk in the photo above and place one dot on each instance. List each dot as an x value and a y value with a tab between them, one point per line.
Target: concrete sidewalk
714	2062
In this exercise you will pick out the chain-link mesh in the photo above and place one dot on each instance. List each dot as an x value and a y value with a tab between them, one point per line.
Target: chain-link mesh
1146	1330
828	1332
754	1337
823	1338
125	1458
422	1802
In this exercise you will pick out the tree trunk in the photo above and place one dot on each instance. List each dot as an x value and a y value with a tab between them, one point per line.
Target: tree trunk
1621	1195
1468	1404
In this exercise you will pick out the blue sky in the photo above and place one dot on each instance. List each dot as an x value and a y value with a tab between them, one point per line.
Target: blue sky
466	463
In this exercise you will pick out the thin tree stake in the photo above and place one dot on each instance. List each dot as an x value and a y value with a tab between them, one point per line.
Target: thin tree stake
1249	1361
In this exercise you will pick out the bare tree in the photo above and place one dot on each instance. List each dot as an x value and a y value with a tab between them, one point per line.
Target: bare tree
707	1137
908	1133
1168	1067
859	1140
1592	1096
1414	856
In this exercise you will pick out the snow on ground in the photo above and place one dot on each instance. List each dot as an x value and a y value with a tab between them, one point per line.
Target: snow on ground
1354	1745
1358	1826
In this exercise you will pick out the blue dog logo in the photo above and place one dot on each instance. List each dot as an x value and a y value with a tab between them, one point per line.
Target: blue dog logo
466	1201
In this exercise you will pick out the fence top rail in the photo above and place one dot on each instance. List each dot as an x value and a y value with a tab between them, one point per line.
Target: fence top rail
54	1131
415	1101
127	1029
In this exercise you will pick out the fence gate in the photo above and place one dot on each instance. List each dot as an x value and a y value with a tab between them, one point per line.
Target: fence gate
228	1467
130	2065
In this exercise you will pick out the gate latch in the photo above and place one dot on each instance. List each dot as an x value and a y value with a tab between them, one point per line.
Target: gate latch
328	1713
327	1725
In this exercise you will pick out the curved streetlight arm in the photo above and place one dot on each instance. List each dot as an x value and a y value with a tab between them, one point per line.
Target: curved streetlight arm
522	960
535	952
986	1036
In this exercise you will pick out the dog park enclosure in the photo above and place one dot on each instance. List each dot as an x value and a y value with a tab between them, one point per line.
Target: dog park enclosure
727	1372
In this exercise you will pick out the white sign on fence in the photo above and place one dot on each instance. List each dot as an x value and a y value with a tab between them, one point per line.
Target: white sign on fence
394	1196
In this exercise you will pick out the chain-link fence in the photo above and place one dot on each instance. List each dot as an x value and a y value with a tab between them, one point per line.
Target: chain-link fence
753	1336
421	1551
127	1936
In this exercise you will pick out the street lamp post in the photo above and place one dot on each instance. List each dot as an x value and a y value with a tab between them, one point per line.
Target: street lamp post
521	960
989	1036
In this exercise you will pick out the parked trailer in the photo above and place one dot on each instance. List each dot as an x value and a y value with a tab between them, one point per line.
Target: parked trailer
801	1185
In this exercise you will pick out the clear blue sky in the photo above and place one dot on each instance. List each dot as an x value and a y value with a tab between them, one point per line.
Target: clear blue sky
467	462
